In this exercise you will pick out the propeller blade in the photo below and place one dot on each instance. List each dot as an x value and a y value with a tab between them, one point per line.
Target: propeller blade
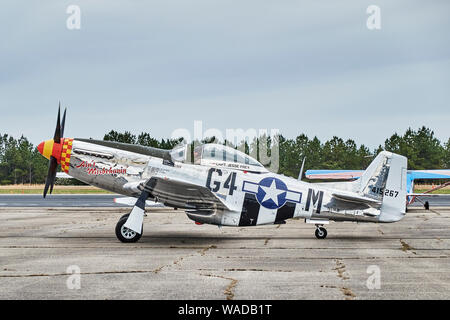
51	175
53	163
57	136
63	123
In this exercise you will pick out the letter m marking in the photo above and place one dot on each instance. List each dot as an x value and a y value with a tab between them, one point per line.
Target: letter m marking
315	197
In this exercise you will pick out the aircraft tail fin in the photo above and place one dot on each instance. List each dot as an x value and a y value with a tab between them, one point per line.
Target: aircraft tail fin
385	180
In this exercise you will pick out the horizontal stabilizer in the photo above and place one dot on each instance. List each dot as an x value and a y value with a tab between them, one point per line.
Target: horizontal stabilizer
357	199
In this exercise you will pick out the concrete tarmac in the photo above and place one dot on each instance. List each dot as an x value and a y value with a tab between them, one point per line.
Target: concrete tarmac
41	248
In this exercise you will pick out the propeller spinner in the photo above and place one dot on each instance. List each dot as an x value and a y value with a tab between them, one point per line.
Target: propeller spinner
51	149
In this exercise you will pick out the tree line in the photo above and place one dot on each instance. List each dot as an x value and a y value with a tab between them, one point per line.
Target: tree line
20	162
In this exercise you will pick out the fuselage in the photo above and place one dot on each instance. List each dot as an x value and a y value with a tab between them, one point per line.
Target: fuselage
251	198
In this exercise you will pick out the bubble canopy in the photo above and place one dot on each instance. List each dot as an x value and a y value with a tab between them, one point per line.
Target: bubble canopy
220	156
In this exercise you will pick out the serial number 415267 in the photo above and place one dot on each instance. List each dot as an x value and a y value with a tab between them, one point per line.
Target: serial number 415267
386	192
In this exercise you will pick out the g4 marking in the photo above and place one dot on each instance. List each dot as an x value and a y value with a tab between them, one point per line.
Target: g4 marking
230	182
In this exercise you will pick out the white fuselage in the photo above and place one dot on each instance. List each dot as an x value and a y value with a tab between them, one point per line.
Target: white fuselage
251	198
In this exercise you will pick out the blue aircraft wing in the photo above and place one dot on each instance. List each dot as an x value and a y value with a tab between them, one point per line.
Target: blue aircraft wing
355	174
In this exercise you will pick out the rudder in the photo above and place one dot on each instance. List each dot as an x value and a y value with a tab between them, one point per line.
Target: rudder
385	180
394	199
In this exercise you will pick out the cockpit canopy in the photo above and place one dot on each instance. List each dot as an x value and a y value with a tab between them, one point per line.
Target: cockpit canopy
217	155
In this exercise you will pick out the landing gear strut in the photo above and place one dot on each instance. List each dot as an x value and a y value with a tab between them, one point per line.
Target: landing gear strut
123	233
321	232
129	228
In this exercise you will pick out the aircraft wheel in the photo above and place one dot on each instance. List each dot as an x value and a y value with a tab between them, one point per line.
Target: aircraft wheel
125	216
321	233
124	234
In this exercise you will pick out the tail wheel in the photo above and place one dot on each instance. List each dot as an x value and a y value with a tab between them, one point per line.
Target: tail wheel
124	234
321	233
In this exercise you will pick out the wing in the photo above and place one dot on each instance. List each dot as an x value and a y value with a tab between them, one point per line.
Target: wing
182	194
355	174
429	174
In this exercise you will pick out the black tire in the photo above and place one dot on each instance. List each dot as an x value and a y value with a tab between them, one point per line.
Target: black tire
321	233
124	234
125	216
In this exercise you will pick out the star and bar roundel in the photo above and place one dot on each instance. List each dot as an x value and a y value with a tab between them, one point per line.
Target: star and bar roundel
271	192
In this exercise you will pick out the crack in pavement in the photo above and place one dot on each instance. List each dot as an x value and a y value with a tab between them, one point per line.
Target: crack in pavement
246	269
157	270
340	268
203	251
406	247
346	291
348	258
68	274
229	293
178	261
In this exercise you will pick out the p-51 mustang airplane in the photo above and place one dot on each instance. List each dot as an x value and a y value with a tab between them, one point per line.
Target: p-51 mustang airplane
223	186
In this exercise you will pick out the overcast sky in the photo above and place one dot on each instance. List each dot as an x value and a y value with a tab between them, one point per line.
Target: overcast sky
299	66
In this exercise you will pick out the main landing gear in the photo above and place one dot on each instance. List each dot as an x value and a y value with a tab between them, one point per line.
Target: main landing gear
134	221
123	233
321	232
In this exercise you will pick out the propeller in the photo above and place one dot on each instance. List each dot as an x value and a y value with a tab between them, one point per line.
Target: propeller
53	164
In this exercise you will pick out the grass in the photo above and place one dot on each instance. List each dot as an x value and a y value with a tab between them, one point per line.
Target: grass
38	189
440	191
421	188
